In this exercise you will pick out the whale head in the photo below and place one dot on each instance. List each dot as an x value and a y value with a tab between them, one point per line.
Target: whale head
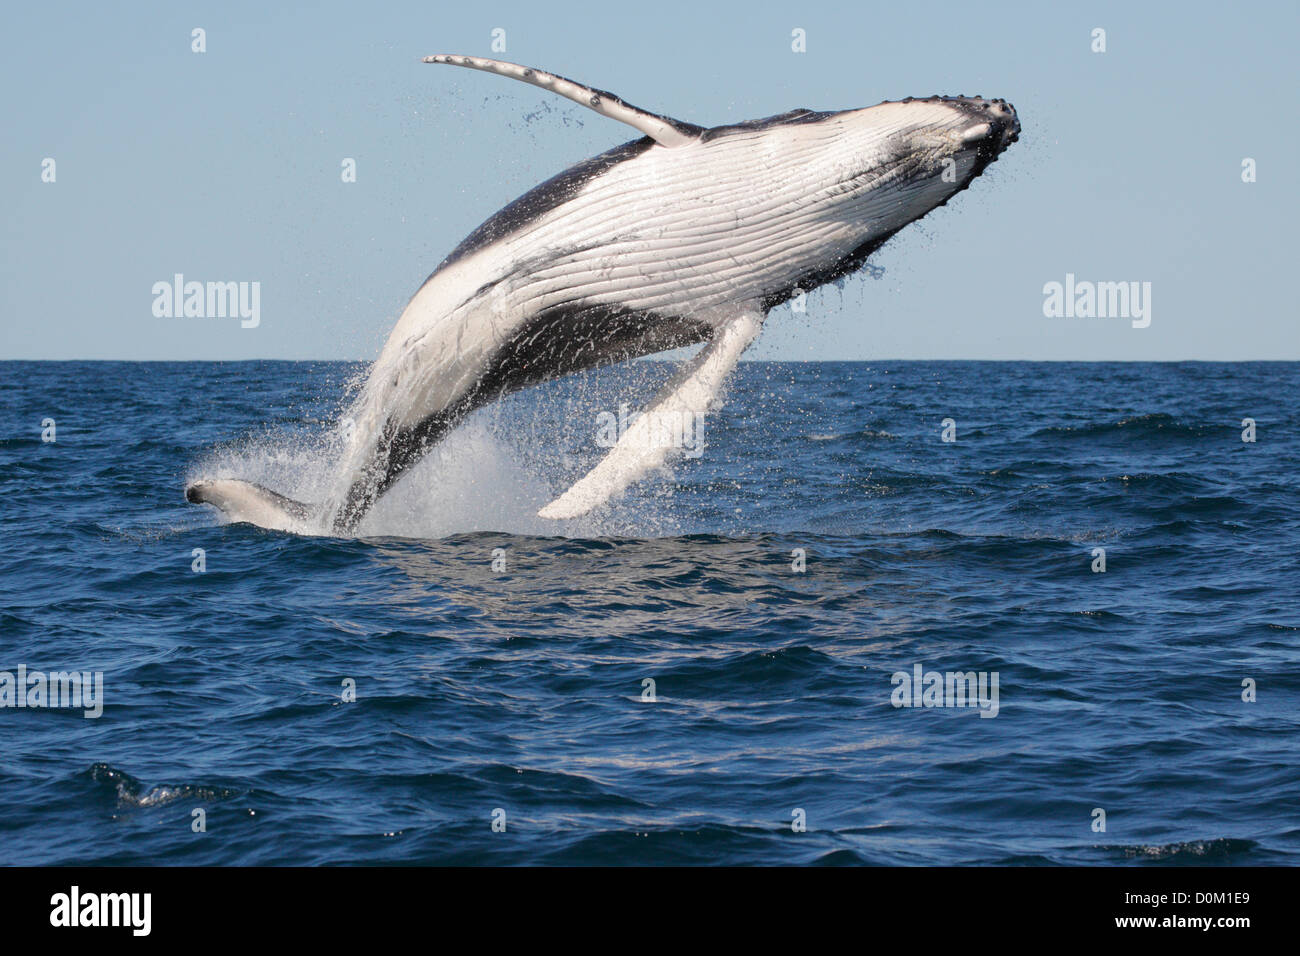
970	130
904	158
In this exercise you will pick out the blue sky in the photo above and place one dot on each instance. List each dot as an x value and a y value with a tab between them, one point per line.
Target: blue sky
225	165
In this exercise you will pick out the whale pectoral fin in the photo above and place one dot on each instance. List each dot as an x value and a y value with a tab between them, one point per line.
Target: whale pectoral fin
245	501
657	433
662	129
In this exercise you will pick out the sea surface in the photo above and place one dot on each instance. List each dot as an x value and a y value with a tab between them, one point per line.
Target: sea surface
826	541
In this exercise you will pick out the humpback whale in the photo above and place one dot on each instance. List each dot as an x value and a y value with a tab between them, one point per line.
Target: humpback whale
683	236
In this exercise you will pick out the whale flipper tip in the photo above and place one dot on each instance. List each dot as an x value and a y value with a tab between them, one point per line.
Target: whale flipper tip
664	130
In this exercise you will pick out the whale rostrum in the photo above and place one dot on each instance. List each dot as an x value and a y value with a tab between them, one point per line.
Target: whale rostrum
686	235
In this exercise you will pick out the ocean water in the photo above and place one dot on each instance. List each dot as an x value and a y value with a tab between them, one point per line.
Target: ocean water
518	694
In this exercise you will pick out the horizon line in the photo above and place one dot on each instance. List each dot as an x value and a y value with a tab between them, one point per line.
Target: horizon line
668	361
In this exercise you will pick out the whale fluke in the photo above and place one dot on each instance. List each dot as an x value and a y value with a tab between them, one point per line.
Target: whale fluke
664	130
245	501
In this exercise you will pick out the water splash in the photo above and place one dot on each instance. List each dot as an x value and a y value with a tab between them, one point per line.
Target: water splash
493	472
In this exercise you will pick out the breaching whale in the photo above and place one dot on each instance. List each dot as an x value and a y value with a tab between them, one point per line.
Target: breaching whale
683	236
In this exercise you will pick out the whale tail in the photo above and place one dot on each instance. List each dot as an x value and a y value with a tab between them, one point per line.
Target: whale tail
245	501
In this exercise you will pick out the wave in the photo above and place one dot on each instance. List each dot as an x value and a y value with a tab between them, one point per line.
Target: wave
1200	852
131	792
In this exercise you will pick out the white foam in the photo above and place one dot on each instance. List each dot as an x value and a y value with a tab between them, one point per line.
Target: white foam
475	480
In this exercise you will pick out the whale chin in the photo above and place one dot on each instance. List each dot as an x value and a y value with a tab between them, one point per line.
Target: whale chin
244	501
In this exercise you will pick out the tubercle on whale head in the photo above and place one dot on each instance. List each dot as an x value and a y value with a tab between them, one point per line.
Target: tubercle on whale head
998	114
